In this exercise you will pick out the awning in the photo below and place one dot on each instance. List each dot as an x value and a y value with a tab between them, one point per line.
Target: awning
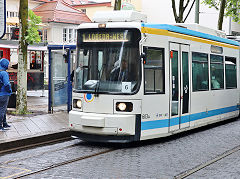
30	47
14	21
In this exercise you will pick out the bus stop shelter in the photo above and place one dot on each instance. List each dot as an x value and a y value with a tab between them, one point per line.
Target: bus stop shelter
59	79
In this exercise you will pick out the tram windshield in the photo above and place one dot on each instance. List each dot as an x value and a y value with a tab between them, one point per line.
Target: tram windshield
107	61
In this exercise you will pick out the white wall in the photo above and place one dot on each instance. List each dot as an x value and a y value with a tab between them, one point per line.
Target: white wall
55	33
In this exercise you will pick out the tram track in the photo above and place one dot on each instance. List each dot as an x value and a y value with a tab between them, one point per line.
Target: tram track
206	164
39	154
64	163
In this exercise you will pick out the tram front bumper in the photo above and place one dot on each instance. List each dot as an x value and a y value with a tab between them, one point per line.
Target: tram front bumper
102	124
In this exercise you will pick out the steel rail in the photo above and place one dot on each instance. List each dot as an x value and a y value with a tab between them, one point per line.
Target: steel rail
64	163
41	153
204	165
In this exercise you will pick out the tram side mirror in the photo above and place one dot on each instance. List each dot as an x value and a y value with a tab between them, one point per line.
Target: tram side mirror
85	51
143	57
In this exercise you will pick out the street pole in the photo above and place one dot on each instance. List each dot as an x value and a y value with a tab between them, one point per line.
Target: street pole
197	12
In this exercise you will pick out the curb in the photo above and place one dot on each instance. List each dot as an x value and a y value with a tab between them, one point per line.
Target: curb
32	141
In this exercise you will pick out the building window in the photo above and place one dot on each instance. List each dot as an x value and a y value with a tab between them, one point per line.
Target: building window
64	34
154	71
200	71
45	35
12	14
75	35
230	72
70	35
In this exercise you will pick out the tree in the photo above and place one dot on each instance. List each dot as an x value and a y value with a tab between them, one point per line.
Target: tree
226	8
21	105
117	4
28	35
183	4
33	27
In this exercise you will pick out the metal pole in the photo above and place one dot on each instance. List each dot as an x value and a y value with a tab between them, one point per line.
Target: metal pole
49	81
69	100
230	26
197	12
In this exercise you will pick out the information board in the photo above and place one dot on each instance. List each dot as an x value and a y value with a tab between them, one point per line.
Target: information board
2	18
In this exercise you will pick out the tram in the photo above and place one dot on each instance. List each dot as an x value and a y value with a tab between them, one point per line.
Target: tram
135	81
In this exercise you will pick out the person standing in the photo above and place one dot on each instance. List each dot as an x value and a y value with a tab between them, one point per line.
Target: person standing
5	92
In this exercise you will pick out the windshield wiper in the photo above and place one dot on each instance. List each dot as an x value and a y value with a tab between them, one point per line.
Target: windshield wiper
99	80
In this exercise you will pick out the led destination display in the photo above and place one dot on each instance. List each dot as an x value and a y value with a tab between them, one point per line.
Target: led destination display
106	37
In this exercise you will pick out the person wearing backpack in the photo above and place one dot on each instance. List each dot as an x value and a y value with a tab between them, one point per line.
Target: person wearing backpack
5	92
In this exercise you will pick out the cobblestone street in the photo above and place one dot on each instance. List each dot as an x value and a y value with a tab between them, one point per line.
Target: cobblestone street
162	158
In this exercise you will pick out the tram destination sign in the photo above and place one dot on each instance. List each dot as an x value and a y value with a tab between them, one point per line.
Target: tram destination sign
106	37
2	18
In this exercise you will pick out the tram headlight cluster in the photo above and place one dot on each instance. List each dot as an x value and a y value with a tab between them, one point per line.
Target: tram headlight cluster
124	106
77	103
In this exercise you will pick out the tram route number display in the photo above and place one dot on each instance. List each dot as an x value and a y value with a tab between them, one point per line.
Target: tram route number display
106	37
126	87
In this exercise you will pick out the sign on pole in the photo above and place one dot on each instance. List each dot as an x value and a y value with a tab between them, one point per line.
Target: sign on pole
2	18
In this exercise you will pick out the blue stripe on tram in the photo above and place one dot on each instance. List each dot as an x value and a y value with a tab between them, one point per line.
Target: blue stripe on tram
146	125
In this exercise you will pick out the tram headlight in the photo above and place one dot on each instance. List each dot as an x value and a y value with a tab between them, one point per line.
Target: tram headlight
77	103
124	106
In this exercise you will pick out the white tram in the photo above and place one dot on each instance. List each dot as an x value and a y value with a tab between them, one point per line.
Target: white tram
136	81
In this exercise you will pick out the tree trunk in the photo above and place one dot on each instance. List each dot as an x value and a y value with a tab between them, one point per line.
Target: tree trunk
117	5
174	11
22	59
221	14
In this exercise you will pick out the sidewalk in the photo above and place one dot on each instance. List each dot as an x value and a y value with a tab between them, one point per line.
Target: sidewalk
38	126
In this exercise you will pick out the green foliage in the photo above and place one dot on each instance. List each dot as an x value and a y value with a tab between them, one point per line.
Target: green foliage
231	9
33	27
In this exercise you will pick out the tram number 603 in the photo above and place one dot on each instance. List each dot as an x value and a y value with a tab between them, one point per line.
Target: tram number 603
145	116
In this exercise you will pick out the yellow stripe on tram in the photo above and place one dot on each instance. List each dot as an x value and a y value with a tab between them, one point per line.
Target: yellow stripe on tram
186	37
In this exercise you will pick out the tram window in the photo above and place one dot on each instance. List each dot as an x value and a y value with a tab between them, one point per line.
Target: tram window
217	72
230	72
154	71
200	77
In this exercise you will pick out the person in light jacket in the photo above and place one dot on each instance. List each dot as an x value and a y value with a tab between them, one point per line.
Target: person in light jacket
5	92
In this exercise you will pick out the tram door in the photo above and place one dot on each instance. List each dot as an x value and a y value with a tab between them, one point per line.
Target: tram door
179	86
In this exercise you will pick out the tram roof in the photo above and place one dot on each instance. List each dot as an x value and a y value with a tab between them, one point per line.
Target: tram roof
185	31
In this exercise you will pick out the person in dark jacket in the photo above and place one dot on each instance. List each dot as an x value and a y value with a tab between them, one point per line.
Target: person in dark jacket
120	72
5	92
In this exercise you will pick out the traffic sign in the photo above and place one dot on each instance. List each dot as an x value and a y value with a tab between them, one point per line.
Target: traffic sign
2	18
